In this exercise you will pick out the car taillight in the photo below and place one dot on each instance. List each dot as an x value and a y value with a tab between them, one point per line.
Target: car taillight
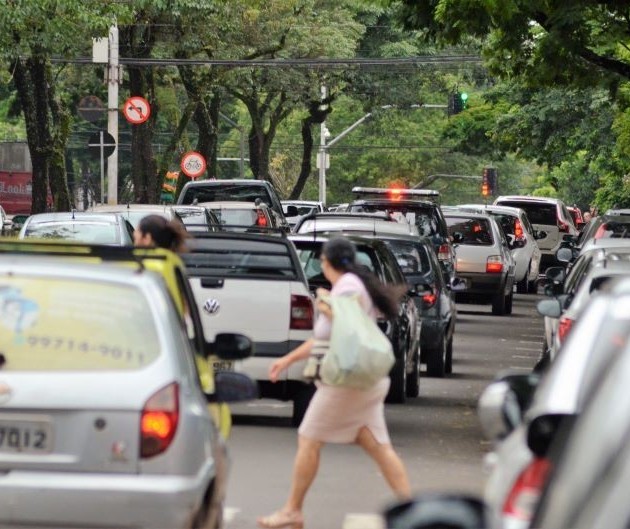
429	299
158	422
518	229
563	227
527	489
261	220
494	264
564	326
301	312
444	252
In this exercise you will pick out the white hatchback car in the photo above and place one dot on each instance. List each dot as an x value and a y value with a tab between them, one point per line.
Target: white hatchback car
347	222
517	227
102	417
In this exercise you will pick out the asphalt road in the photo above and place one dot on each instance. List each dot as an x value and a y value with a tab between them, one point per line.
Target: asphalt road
437	434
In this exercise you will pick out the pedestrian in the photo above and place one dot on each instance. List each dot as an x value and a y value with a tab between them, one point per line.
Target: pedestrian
156	231
339	414
587	217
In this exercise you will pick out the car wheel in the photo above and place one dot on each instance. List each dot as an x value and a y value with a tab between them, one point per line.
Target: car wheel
300	403
498	304
436	360
448	367
509	302
412	385
397	389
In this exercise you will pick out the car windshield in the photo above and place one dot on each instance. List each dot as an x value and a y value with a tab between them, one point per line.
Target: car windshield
422	217
537	213
80	231
227	192
310	260
60	324
474	231
236	217
303	210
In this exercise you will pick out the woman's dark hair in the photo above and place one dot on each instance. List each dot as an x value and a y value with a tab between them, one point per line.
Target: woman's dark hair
341	254
169	234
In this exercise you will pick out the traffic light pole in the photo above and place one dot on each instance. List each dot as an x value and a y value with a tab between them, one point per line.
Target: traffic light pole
113	80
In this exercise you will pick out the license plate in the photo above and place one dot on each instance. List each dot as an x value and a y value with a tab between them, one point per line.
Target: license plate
25	436
222	365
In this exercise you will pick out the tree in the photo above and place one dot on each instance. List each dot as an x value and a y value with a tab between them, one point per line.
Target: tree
32	32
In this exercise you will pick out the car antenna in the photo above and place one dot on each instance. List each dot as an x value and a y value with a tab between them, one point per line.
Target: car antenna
73	210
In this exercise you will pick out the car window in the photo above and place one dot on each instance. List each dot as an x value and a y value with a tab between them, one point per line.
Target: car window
310	260
59	324
410	256
237	217
577	274
528	227
614	229
537	213
474	232
88	232
227	192
424	218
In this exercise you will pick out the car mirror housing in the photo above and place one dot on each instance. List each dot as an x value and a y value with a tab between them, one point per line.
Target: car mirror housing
458	284
230	346
552	308
540	234
435	510
517	243
232	387
564	255
542	431
457	237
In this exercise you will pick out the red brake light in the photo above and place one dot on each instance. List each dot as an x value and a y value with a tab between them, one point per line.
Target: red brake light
261	220
444	252
301	312
564	326
527	489
518	229
158	422
429	299
563	227
494	265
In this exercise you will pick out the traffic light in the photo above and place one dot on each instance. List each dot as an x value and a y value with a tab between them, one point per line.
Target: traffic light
457	102
489	181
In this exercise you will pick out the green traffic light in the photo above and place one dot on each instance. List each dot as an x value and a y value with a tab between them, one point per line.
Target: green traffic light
463	96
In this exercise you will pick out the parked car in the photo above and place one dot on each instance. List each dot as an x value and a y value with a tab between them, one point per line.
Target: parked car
294	209
403	331
576	470
196	192
434	299
253	282
548	215
614	224
87	227
517	227
243	216
483	259
420	207
346	222
128	439
6	224
517	472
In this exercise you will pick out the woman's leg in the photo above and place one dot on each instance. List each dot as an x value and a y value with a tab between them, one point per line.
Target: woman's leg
304	472
388	461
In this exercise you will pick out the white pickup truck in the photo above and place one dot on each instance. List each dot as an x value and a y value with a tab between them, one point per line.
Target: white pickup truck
254	284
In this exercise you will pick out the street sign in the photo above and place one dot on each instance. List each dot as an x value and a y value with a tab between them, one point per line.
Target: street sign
193	164
91	108
136	110
101	139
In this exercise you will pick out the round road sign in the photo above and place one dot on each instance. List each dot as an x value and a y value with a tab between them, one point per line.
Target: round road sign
193	164
136	110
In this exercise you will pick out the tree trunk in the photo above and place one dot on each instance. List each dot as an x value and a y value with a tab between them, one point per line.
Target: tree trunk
307	151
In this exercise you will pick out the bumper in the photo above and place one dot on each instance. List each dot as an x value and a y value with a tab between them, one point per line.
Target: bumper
56	500
488	284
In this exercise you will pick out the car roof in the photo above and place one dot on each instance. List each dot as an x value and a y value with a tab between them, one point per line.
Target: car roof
605	243
490	207
321	238
232	204
115	208
527	198
466	214
213	182
356	222
395	201
74	215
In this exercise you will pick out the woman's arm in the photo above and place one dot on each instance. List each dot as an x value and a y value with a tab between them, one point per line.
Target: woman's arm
301	352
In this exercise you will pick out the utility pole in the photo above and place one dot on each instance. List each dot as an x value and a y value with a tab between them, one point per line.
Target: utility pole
322	154
113	80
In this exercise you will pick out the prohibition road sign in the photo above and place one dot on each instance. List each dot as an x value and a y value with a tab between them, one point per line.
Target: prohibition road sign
193	164
136	110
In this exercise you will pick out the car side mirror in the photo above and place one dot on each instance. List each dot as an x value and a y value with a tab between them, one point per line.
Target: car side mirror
292	211
552	308
458	284
232	387
517	243
564	255
502	404
540	234
555	274
457	237
230	346
438	510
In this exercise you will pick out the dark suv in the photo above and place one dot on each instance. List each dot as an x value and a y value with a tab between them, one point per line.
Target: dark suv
234	190
403	331
417	206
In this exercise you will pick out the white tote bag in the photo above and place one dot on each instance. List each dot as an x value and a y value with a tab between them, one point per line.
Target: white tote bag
360	353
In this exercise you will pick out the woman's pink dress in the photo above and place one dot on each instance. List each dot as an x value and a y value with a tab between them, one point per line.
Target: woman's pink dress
336	414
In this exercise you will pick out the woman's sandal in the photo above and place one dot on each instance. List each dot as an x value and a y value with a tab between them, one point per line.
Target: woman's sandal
282	520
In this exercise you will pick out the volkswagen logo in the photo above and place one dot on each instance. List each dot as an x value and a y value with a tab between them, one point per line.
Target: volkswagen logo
212	306
5	393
